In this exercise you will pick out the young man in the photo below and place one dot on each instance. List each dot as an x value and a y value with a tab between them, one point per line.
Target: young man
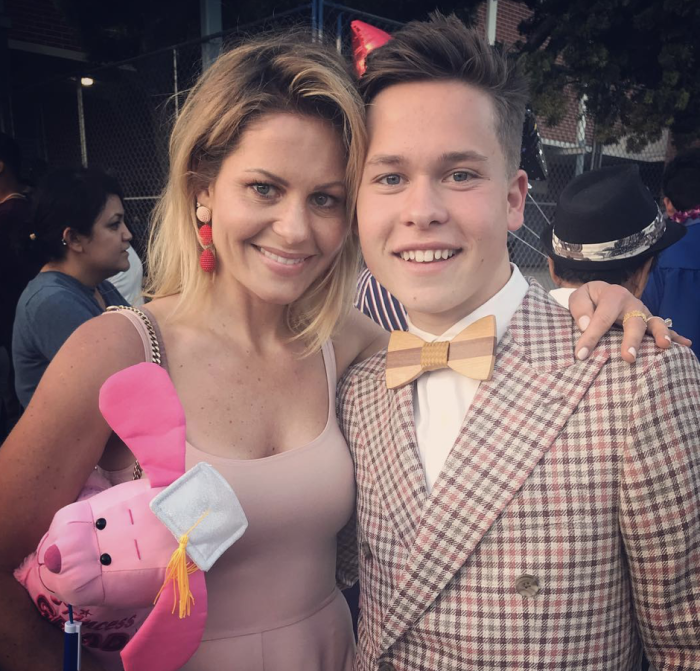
545	517
674	286
607	227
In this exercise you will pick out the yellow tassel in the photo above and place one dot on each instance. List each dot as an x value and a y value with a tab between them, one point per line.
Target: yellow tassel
179	570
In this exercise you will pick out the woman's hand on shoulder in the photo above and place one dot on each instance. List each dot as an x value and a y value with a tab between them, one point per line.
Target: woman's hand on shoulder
60	438
358	339
596	306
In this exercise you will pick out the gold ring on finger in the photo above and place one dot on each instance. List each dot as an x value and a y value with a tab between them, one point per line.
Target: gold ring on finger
634	313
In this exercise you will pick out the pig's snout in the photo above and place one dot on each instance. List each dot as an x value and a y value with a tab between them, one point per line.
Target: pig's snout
52	559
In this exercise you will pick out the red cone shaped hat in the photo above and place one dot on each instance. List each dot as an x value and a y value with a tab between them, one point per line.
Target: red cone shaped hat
365	38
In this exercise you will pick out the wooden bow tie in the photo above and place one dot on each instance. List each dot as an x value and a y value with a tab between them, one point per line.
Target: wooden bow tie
472	353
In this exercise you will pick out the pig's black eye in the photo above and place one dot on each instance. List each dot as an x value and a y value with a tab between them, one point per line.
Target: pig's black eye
105	559
101	523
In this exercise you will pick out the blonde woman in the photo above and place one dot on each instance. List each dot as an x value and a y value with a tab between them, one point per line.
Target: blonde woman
267	151
252	267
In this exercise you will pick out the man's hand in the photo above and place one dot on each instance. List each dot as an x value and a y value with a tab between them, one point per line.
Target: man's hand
596	306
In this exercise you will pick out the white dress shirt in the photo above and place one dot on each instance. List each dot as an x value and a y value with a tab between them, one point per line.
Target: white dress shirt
443	397
561	295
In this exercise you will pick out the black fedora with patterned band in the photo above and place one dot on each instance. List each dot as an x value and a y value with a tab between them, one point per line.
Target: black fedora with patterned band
607	219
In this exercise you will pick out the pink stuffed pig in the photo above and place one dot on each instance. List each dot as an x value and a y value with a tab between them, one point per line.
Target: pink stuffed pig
111	550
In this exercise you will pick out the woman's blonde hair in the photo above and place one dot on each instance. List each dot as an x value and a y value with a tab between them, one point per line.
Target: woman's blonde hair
280	73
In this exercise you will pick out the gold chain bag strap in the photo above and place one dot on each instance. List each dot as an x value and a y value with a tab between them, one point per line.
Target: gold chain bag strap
155	353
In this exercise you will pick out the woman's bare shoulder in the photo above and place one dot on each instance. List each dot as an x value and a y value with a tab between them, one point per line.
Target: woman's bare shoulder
61	436
163	308
357	338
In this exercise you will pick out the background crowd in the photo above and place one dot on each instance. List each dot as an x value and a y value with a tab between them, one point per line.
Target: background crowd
66	258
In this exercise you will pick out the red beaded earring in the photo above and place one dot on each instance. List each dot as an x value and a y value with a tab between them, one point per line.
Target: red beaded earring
207	259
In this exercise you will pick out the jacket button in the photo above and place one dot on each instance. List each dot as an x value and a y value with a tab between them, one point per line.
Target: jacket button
386	666
554	398
367	554
527	585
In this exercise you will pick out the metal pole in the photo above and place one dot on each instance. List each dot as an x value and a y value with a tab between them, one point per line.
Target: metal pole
339	34
596	155
211	22
313	19
81	126
176	91
491	17
320	20
581	135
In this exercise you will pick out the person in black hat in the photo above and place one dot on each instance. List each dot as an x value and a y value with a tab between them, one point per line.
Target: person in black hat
607	227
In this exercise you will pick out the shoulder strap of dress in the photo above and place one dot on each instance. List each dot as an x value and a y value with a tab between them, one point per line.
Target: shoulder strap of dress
328	352
159	338
146	330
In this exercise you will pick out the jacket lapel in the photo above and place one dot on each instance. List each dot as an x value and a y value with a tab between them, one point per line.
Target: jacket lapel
511	424
392	453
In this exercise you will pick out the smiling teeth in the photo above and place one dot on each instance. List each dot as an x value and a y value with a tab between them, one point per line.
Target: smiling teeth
427	255
280	259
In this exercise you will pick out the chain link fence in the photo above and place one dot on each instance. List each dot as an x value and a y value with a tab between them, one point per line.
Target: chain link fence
122	122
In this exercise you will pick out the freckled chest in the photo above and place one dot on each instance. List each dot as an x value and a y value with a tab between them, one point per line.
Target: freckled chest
241	405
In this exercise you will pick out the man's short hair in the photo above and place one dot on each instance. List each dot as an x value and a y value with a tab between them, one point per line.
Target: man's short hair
10	154
610	275
681	180
443	48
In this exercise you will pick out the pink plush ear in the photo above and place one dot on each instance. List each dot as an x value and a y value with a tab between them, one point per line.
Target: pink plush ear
141	405
165	642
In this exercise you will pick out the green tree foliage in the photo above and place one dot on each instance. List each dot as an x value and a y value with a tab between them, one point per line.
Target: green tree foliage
637	61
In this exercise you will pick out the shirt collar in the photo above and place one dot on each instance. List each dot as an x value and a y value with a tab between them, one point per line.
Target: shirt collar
561	295
503	305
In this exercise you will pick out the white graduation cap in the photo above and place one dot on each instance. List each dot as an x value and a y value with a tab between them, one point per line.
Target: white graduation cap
203	513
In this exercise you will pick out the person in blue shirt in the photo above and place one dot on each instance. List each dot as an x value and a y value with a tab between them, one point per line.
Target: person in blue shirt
79	235
673	290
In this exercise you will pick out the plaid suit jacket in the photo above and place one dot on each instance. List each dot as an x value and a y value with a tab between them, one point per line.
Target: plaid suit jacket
564	528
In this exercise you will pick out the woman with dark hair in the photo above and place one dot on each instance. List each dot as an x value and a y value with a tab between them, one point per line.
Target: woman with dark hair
79	235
